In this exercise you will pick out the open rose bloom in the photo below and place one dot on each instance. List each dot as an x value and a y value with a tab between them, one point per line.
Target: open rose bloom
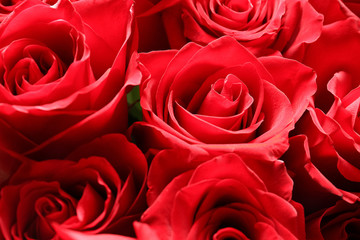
179	119
61	78
97	189
221	198
263	26
221	98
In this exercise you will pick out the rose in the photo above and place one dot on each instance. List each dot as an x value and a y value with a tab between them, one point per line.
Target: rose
220	98
222	198
98	188
61	82
329	162
162	171
337	222
263	26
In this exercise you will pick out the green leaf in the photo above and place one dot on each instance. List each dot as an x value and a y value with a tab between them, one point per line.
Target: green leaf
134	108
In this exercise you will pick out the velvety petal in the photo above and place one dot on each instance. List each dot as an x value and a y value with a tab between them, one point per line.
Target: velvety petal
174	27
283	184
160	212
107	146
114	23
339	221
195	126
186	203
149	87
343	143
333	10
345	49
277	113
160	139
194	31
292	228
270	149
221	165
295	28
74	235
353	6
107	119
151	30
163	89
105	35
90	198
162	170
311	175
144	231
21	18
297	81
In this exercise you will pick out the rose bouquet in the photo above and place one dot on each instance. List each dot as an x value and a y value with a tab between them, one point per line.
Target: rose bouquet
179	119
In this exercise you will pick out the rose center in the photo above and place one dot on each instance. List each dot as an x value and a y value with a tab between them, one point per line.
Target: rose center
226	97
51	207
229	234
26	70
238	6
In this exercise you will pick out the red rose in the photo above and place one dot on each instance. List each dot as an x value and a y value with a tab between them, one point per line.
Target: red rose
162	172
338	222
61	82
332	124
220	98
222	198
99	188
284	25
